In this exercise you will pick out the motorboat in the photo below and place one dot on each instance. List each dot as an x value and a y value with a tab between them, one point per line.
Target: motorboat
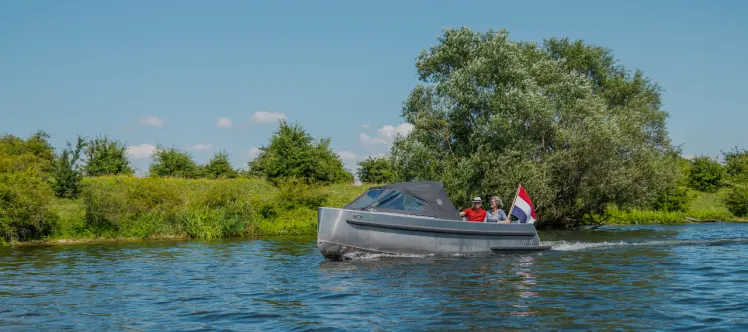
414	218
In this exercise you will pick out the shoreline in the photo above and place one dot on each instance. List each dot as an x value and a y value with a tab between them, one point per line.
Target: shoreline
735	221
125	210
187	238
175	238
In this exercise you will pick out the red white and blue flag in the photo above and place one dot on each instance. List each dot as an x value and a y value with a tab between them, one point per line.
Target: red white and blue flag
522	208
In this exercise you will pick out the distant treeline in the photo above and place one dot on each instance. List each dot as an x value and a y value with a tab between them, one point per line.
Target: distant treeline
33	177
106	201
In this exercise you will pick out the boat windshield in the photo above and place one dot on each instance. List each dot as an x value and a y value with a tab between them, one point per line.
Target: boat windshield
387	199
397	200
365	200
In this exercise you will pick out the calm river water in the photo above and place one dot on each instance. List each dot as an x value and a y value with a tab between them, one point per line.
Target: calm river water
631	278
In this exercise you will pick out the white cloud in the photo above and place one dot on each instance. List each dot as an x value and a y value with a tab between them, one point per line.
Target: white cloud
141	151
267	117
224	122
390	132
689	156
364	126
347	156
386	134
367	139
152	121
202	147
254	152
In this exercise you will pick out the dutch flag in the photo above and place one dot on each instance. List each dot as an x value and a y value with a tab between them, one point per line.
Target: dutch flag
522	208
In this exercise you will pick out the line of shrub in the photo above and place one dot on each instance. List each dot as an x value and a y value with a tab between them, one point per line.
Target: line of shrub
126	207
266	202
700	206
147	208
88	191
635	216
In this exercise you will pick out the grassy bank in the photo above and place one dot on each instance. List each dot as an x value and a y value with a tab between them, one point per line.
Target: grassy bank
159	208
704	207
121	208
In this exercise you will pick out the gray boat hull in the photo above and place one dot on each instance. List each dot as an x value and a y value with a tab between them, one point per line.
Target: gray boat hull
343	234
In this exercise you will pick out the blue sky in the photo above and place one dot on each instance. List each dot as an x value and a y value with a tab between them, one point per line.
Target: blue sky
164	72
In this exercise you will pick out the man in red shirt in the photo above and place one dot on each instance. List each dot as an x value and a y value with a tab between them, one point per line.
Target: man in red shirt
476	213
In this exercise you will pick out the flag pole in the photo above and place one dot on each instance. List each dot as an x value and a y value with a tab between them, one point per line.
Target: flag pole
509	215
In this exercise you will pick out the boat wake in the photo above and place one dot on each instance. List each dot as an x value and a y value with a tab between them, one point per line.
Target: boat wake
563	246
371	256
577	246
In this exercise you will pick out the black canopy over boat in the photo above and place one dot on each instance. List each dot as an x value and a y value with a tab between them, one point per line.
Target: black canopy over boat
426	198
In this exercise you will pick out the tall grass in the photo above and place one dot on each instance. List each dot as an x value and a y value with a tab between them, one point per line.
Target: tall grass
621	217
705	206
122	207
148	208
708	201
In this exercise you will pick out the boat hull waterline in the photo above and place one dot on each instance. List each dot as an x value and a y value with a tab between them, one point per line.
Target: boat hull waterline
344	234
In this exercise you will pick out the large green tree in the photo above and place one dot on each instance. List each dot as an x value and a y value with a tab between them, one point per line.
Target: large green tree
579	131
106	157
294	154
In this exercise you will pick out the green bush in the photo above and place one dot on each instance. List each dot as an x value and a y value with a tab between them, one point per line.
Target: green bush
206	223
223	208
35	148
291	195
163	207
20	163
170	162
25	193
106	157
736	165
67	174
676	199
377	170
114	204
295	194
706	174
219	167
737	200
294	154
24	206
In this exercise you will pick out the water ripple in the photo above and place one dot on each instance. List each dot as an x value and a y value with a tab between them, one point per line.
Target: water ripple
631	278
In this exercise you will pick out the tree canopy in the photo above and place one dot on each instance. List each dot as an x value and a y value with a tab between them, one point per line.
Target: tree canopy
35	151
68	174
219	167
706	174
170	162
294	154
106	157
26	166
376	170
736	165
563	118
